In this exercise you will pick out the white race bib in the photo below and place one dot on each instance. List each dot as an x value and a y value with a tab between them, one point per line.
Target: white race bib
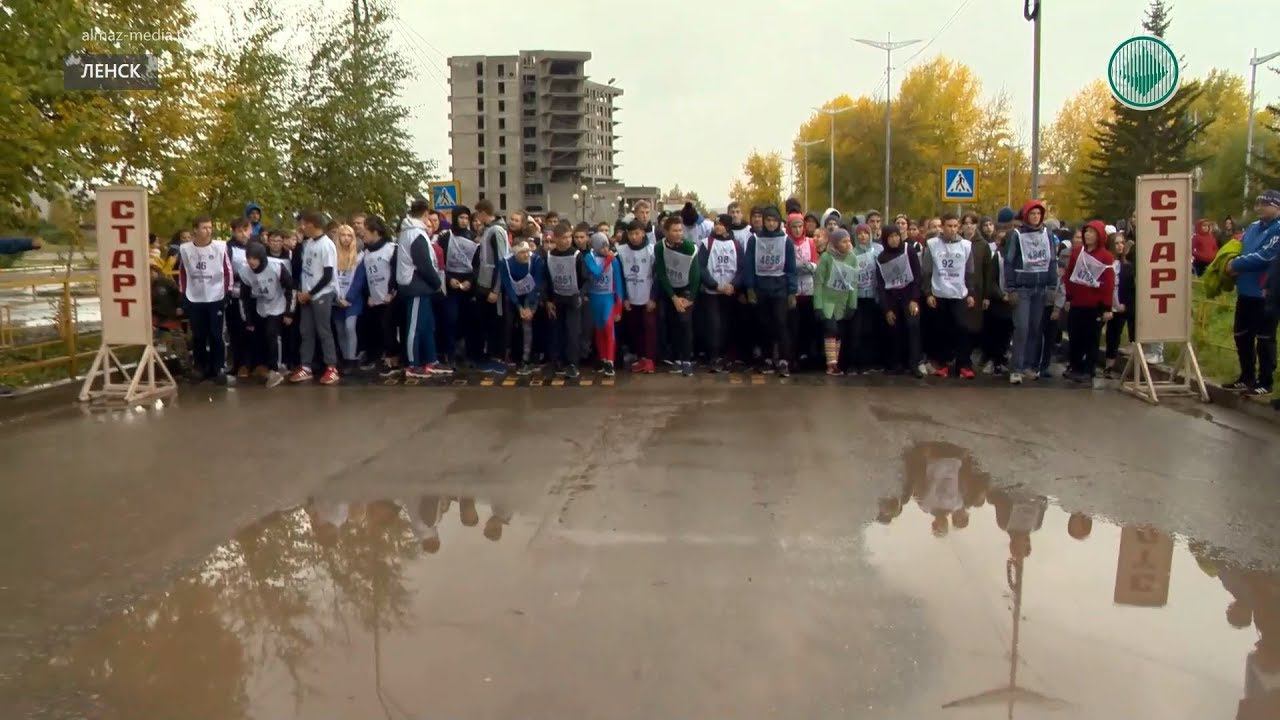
843	278
771	256
524	285
1088	270
564	273
722	261
1036	251
637	272
897	272
461	252
678	265
949	261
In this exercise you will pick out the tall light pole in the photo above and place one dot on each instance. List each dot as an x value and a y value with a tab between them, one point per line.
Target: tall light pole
1031	10
888	46
832	139
806	145
1253	82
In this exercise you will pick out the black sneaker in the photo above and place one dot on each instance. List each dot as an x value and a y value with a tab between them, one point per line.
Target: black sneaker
525	370
1259	391
1238	386
608	371
572	373
717	366
686	368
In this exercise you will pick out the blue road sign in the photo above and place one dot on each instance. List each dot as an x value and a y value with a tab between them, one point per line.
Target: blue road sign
959	183
444	195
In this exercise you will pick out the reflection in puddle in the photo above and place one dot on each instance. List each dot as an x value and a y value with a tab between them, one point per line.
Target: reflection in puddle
252	619
1076	638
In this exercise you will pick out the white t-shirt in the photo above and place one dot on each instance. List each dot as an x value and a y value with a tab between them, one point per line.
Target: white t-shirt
318	254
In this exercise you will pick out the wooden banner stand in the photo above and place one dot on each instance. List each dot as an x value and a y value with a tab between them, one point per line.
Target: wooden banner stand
141	386
1138	381
1163	205
124	287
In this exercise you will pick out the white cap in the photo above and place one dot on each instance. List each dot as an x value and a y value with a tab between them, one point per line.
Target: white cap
1111	230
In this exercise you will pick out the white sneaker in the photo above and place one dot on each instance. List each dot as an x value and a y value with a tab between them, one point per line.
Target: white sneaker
1015	378
924	369
274	378
1032	374
989	368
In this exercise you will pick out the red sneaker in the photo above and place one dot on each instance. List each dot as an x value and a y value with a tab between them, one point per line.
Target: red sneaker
966	373
302	374
649	367
942	372
638	366
330	376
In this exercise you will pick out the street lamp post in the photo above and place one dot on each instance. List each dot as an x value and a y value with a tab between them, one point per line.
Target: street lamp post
888	46
1031	10
832	141
806	145
1008	198
1253	82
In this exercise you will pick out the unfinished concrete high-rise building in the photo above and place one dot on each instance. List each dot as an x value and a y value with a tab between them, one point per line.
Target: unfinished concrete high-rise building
529	130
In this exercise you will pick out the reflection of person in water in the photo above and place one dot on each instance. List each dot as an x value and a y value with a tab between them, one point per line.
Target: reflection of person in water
945	481
1019	513
431	509
498	519
1079	525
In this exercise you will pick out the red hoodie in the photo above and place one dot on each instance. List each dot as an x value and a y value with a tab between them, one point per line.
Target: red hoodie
1083	296
1204	246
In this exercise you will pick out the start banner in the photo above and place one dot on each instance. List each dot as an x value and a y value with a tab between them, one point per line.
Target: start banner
124	279
1163	258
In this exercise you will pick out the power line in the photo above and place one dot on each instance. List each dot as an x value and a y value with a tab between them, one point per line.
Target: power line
938	34
428	43
422	62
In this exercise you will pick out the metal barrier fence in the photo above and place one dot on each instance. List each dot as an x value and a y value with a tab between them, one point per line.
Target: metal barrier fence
49	324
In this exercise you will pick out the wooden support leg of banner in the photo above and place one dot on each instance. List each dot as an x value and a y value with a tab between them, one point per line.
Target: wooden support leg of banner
1138	381
140	386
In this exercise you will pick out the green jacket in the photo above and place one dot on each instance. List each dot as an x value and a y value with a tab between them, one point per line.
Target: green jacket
836	304
1216	281
690	291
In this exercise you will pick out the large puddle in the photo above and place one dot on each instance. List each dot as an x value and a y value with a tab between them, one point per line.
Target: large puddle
962	598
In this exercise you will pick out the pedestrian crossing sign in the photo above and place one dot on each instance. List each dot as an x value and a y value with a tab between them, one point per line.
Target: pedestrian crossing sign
444	195
959	183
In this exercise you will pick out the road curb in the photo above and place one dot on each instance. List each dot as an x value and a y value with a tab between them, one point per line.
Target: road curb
1219	395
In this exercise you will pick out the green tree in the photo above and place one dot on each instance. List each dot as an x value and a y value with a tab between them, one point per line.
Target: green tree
1265	169
761	184
246	136
1225	103
1137	142
676	195
55	142
350	150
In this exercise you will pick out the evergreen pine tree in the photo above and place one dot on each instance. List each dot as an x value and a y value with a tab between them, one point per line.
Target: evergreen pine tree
1140	142
351	149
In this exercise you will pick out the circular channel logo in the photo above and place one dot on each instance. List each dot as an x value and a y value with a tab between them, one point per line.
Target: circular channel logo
1143	73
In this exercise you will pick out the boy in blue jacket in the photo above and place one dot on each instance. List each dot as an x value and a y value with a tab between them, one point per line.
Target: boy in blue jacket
771	282
522	275
1255	328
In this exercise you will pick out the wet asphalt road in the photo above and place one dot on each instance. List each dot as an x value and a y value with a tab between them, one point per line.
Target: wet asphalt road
656	549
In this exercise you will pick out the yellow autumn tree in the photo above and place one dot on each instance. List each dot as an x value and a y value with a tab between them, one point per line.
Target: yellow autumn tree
761	183
939	118
1068	143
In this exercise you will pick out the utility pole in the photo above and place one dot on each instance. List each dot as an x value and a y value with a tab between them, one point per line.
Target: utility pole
806	145
888	46
1031	10
832	140
1253	83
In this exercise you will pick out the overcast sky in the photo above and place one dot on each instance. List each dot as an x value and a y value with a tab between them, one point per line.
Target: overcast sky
705	81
